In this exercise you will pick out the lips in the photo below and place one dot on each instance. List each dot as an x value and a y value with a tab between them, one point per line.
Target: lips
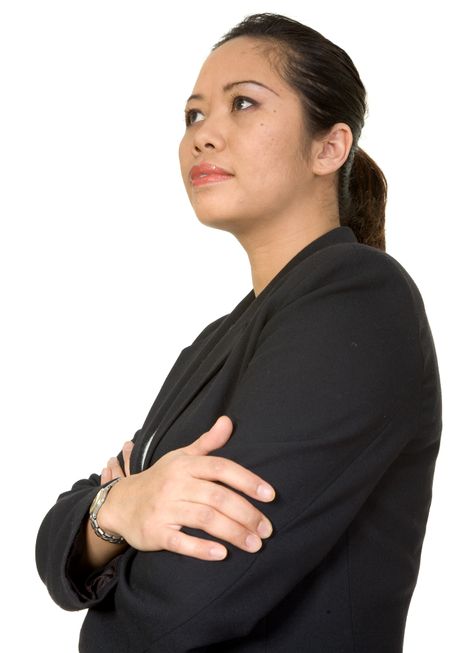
206	172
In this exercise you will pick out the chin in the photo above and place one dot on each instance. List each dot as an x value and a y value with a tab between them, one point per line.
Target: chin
216	222
210	210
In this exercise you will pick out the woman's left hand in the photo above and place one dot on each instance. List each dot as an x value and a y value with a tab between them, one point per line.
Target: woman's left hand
113	468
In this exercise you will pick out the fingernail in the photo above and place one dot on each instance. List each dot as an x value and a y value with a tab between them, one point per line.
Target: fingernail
128	444
112	461
104	470
253	542
217	552
265	491
264	528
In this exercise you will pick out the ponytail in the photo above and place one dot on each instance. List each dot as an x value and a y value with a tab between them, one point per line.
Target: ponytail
365	200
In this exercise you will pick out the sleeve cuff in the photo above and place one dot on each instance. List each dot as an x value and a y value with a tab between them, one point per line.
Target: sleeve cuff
95	585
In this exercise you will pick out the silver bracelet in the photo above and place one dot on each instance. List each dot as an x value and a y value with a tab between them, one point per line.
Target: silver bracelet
96	504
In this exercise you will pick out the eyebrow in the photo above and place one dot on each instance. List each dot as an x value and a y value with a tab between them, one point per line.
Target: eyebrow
229	86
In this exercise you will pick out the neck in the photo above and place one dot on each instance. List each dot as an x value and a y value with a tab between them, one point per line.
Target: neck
270	252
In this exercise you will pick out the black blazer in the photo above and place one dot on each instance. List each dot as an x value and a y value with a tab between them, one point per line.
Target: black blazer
331	380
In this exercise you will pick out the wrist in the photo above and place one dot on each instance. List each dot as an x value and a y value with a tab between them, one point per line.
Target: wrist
101	516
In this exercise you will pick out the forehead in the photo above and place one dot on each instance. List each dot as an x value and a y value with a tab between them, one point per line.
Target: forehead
242	57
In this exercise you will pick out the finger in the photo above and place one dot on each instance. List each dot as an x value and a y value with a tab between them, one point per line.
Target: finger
116	469
126	453
206	518
215	468
194	547
106	476
216	437
233	506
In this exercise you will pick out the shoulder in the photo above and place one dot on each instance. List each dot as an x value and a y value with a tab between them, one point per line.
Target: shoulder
344	326
352	274
348	293
359	261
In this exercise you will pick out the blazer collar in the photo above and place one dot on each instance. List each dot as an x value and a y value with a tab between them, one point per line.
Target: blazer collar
250	304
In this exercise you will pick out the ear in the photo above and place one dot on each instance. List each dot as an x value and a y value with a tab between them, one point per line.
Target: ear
331	152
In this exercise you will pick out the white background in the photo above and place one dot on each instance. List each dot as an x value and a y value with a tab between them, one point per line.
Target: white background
101	252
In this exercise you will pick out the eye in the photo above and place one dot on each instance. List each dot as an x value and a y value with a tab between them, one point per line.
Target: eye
235	103
240	98
188	114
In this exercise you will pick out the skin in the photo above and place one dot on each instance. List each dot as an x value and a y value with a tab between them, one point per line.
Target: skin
180	489
275	203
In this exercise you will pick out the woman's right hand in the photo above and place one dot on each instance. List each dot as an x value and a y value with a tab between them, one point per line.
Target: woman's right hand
149	508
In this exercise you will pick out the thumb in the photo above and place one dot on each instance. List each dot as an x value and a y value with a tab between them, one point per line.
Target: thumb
216	437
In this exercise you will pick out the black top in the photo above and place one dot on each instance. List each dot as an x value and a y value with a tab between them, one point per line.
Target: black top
331	380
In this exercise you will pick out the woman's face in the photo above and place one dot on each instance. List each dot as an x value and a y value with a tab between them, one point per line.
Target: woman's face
252	130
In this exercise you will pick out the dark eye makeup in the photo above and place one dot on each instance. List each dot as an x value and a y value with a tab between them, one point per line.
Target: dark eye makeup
188	114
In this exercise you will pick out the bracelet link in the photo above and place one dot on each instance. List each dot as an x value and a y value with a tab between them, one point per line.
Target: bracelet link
96	504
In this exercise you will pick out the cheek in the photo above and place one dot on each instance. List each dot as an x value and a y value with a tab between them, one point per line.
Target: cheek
183	157
274	157
259	148
182	153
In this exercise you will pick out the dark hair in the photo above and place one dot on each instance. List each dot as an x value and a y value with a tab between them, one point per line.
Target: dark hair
331	91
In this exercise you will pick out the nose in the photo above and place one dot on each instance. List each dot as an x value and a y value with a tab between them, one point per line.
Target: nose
208	136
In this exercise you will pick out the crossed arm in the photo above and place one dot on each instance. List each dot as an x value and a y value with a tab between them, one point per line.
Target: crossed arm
327	403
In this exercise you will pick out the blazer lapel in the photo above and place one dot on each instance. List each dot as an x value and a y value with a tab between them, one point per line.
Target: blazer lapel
204	365
211	356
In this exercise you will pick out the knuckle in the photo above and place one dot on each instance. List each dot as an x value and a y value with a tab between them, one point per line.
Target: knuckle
240	538
174	541
217	465
205	515
181	463
200	549
217	497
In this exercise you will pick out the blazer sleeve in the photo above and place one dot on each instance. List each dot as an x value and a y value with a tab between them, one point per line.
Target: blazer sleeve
61	534
57	550
329	399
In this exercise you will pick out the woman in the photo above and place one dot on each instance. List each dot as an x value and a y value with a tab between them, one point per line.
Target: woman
321	385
